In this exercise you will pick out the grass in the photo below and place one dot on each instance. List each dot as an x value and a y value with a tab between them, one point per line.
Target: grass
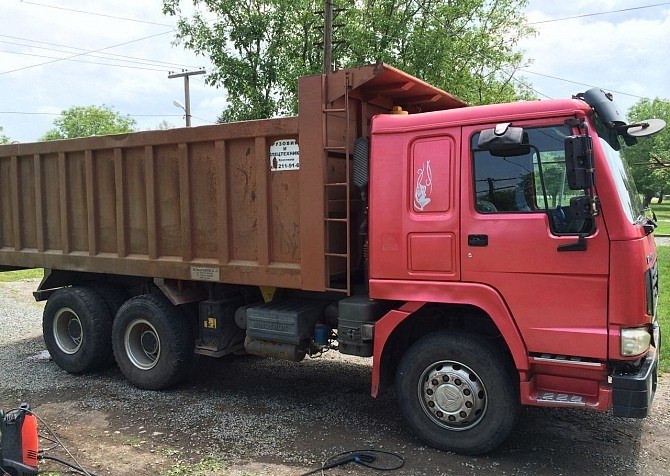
208	466
20	275
664	303
662	211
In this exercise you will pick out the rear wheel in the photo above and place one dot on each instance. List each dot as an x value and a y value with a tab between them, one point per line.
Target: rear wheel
153	342
114	297
456	393
77	329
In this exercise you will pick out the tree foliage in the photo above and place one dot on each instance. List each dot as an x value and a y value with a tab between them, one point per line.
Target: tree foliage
260	47
88	121
3	138
165	125
650	157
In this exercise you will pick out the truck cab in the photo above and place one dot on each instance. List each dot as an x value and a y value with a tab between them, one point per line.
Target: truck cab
520	222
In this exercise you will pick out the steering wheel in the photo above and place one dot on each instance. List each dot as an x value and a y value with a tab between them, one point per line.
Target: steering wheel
485	207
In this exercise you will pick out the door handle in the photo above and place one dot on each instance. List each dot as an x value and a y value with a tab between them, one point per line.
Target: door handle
478	240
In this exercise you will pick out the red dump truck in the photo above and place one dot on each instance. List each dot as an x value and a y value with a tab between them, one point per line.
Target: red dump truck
484	257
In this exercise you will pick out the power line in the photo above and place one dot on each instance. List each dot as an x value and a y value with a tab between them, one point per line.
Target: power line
507	72
69	52
58	114
577	82
82	61
525	85
31	113
204	120
95	14
112	56
600	13
91	51
154	115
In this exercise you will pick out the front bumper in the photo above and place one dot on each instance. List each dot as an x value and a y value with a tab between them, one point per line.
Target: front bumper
632	393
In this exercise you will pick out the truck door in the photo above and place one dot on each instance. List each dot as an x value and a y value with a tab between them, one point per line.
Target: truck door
516	236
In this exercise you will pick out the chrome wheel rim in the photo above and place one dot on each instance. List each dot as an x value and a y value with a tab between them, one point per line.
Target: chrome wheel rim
68	331
142	344
452	395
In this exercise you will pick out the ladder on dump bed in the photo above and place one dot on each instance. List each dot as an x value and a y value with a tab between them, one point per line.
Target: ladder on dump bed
337	191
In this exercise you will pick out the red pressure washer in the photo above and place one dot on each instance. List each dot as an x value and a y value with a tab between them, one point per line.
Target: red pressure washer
18	442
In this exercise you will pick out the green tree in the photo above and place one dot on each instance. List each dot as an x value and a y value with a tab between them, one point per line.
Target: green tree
650	157
553	181
465	47
260	47
79	121
165	125
3	138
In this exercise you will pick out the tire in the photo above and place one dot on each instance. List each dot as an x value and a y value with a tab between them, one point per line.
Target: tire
153	342
456	393
77	328
114	297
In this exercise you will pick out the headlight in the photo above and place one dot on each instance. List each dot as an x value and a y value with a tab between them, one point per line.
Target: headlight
634	341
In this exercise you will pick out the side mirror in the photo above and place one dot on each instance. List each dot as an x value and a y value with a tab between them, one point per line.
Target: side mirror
504	141
579	162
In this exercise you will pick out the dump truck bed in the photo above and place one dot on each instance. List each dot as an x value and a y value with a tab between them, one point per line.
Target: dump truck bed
234	203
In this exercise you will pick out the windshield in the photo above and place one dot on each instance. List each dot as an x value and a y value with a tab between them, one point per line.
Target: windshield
623	180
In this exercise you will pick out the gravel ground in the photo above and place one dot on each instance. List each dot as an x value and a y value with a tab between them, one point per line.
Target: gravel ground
251	416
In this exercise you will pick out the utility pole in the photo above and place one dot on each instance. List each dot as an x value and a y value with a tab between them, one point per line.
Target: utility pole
328	37
187	94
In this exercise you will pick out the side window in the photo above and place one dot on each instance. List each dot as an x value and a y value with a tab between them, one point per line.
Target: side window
531	183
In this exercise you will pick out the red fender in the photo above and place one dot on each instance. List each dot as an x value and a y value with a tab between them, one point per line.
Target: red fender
478	295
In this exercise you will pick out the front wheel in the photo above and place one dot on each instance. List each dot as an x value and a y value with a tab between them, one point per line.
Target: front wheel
153	342
455	392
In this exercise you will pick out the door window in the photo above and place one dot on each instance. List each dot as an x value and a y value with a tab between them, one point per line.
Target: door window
532	183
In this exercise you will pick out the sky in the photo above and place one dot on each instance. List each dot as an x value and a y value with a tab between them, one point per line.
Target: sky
624	52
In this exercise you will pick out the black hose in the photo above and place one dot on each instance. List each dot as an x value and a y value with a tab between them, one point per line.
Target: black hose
69	465
360	457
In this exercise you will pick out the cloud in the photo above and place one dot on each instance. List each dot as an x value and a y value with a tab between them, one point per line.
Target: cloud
619	52
139	87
